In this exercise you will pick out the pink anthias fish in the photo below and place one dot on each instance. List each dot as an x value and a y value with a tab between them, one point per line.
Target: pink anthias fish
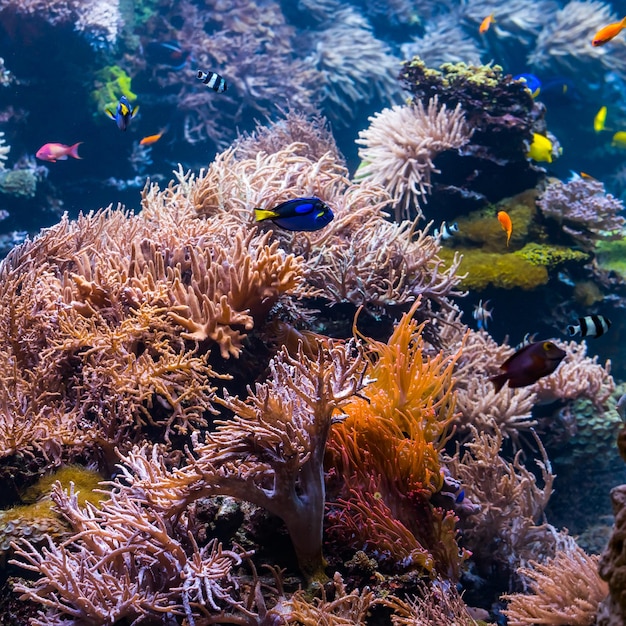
57	152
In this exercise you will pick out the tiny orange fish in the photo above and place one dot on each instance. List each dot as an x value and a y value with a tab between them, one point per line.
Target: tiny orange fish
485	24
150	139
607	33
507	225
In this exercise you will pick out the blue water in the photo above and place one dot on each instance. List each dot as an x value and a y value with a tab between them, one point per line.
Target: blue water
53	70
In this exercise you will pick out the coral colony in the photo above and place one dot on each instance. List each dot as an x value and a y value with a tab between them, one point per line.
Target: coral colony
262	397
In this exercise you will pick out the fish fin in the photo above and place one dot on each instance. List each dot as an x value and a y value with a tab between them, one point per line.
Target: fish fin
571	329
263	214
109	114
74	150
498	381
134	111
62	157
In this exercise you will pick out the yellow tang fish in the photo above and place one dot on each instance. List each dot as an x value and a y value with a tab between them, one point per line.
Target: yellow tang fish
541	148
619	139
599	120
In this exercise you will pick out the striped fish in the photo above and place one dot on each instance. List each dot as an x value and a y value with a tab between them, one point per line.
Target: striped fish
213	80
590	326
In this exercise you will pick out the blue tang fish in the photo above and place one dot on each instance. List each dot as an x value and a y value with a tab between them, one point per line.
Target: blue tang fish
532	83
298	214
123	113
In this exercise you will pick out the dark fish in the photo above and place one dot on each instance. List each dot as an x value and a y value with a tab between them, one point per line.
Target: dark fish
298	214
590	326
166	53
529	364
213	80
123	113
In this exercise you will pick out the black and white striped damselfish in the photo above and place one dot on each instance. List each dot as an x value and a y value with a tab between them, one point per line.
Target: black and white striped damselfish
212	80
590	326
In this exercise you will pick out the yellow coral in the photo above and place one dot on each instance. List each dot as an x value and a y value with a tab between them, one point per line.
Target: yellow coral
505	271
38	516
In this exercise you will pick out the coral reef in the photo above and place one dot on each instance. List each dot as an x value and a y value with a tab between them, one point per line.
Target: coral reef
612	564
387	453
99	21
502	115
354	65
583	211
399	148
505	271
566	590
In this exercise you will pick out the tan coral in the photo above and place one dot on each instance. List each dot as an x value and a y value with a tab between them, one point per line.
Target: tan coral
399	147
565	590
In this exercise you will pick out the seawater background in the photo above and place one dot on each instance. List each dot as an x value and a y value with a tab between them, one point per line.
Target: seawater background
56	66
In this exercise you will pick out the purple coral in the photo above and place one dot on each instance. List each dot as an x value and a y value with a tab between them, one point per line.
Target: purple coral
584	210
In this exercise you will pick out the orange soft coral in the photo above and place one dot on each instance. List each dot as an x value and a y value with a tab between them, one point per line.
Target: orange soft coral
387	449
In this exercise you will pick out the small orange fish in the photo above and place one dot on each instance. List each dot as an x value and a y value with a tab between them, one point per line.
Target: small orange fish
507	225
485	24
150	139
607	33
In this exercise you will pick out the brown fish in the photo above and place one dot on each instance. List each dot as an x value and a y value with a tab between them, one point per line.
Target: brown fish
529	364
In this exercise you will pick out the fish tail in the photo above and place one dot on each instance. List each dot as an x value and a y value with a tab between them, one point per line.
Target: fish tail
572	330
498	381
261	215
74	150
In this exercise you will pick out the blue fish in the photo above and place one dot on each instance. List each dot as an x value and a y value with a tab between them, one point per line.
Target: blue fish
298	214
532	83
123	113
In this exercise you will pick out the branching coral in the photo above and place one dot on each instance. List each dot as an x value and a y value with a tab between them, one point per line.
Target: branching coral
311	133
399	148
124	562
438	604
343	610
511	502
566	590
578	376
106	349
584	211
270	453
360	257
254	48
